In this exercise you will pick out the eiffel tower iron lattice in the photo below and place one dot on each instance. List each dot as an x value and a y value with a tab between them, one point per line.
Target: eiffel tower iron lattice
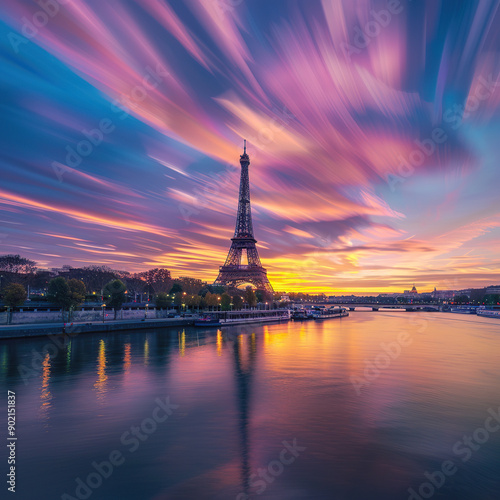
234	272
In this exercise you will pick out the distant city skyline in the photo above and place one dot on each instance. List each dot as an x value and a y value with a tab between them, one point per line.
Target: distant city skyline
440	293
372	129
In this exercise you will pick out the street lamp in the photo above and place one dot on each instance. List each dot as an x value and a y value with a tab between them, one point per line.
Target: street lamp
146	311
103	306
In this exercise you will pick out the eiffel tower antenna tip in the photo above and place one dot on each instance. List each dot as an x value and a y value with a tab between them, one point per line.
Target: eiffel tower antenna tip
244	146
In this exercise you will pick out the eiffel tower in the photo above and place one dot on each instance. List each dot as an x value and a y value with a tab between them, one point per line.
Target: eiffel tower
234	272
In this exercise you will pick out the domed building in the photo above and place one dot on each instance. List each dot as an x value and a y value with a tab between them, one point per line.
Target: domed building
412	292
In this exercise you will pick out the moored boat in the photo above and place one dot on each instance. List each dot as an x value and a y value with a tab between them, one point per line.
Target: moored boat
463	309
305	314
207	321
322	314
488	313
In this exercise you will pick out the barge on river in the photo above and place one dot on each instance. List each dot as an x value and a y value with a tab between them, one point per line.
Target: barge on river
244	317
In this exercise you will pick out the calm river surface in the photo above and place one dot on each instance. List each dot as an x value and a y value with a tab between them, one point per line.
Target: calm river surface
283	411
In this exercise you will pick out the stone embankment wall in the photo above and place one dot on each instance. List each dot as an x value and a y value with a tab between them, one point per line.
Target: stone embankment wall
25	317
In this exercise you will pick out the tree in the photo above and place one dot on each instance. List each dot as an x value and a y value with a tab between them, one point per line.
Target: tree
158	280
162	301
66	294
192	286
15	295
461	299
211	300
225	301
237	302
94	277
207	300
196	302
76	291
477	295
17	264
175	288
264	296
178	299
250	297
114	294
60	293
193	301
41	279
136	285
491	299
217	289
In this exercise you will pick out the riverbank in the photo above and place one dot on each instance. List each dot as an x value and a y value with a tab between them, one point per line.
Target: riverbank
37	330
89	313
76	328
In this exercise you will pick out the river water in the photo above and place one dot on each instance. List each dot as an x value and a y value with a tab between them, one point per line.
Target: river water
365	407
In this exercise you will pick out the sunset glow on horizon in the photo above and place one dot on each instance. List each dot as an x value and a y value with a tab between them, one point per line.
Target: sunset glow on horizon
372	131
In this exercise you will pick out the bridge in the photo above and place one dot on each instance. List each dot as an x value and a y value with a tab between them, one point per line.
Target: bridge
407	307
375	306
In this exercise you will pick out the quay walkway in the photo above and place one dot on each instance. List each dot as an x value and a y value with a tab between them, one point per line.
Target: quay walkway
42	329
228	318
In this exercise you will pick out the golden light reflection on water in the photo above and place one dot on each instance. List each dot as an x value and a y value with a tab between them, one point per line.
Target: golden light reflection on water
100	384
146	352
68	357
253	343
127	358
45	395
219	342
302	333
182	343
276	339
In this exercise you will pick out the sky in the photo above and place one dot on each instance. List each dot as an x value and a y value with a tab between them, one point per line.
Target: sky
372	130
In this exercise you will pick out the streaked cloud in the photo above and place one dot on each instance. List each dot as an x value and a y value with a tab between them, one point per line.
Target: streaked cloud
350	188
